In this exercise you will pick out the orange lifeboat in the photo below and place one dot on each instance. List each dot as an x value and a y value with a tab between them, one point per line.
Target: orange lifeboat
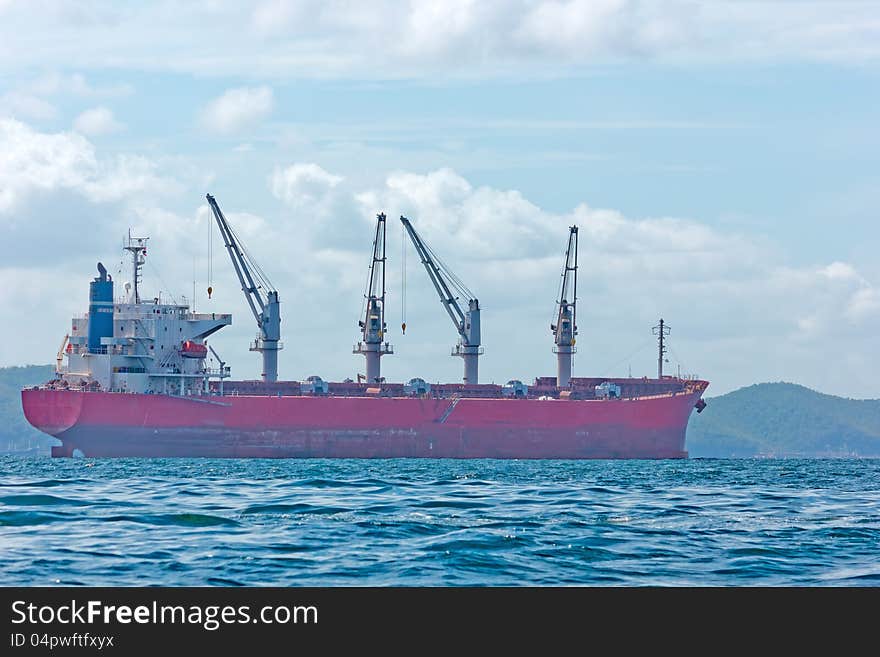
191	349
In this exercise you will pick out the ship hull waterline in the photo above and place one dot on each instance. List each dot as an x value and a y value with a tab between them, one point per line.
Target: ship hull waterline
105	424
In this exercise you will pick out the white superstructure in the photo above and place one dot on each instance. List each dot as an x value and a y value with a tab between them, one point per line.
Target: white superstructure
150	347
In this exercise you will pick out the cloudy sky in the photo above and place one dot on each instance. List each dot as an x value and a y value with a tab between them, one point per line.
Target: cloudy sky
722	160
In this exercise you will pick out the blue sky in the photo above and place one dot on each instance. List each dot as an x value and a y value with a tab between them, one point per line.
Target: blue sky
721	159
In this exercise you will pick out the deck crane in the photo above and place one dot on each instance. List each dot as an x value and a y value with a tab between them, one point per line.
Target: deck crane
565	328
372	322
467	323
261	295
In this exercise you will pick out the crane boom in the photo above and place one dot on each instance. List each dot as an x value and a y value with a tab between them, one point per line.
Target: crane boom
254	283
565	328
221	366
372	324
467	323
59	358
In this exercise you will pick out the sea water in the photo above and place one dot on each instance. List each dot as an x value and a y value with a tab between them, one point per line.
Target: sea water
196	522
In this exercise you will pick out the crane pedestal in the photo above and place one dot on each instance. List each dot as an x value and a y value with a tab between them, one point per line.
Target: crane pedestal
373	352
269	349
471	357
563	365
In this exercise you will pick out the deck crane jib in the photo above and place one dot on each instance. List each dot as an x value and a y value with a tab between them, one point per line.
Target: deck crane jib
260	294
373	344
564	327
466	322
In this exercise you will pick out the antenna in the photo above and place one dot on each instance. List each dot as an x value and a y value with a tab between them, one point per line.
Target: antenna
661	331
137	246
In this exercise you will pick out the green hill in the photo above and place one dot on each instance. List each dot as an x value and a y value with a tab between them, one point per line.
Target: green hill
16	435
767	419
785	419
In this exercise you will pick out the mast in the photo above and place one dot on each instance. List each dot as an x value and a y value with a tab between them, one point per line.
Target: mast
467	323
565	328
137	246
260	294
372	325
661	331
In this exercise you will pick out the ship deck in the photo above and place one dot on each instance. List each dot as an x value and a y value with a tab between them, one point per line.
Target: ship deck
542	388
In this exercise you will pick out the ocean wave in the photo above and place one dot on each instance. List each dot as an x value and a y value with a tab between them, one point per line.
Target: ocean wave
205	522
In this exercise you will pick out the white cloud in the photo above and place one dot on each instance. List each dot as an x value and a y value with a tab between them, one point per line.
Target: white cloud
167	227
97	121
39	161
28	100
425	38
275	16
839	271
35	162
320	212
716	288
25	106
76	84
487	223
50	293
302	184
863	304
238	109
583	30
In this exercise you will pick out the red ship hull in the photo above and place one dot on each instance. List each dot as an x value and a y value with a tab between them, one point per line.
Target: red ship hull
99	424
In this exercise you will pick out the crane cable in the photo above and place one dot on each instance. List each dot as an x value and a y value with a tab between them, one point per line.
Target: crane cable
557	306
554	318
609	370
167	287
456	283
256	271
676	357
367	290
403	279
210	258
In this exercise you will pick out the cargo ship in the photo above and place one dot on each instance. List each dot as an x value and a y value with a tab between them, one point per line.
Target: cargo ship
137	377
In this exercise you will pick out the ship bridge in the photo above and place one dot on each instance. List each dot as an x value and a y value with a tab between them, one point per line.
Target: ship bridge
150	344
132	345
